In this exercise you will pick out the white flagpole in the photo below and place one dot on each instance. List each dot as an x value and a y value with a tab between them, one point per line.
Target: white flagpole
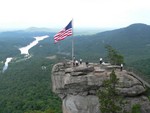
72	43
72	49
58	47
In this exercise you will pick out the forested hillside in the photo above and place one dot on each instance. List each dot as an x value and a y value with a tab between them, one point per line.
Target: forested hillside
11	41
26	87
131	41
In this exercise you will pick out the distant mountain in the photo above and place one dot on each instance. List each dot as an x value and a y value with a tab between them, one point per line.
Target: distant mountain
11	41
132	41
36	29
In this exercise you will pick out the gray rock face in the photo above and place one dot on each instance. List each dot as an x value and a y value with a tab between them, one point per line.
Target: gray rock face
77	87
142	100
81	104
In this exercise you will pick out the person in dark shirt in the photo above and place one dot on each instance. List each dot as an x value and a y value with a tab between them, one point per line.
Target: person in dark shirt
87	63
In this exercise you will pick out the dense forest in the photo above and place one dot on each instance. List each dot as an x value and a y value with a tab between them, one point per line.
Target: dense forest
26	86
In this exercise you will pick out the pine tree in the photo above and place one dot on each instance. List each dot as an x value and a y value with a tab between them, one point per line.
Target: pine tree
110	101
114	56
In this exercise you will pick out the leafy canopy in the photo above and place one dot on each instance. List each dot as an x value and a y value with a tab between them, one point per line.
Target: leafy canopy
114	56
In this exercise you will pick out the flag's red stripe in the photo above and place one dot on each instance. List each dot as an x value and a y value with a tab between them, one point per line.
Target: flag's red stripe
62	34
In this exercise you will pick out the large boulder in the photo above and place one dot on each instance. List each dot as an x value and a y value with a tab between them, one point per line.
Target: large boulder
77	87
81	104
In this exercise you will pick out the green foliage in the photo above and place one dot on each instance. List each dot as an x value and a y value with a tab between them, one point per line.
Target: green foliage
46	111
110	101
142	66
26	87
136	108
113	56
10	42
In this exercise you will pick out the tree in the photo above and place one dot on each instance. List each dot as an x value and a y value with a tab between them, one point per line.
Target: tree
110	101
114	56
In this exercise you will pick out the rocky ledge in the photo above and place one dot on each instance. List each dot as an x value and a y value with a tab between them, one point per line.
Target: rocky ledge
77	86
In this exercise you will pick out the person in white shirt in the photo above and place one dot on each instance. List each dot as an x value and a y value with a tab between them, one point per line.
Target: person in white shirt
100	60
121	67
80	61
77	63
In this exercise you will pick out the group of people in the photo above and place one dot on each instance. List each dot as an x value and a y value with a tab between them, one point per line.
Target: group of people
76	63
101	62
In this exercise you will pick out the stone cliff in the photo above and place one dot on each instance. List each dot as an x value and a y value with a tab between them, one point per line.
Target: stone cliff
77	87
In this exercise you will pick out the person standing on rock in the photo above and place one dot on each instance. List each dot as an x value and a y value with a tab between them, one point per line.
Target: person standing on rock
100	60
74	60
87	63
121	67
80	61
77	63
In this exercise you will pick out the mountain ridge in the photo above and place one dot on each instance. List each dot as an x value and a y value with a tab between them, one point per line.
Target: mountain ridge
130	40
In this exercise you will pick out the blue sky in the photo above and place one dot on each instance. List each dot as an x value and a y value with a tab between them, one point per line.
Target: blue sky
85	13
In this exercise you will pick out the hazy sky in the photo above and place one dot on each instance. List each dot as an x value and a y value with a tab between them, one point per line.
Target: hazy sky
85	13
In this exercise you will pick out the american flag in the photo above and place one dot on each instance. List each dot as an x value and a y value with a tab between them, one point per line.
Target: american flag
67	31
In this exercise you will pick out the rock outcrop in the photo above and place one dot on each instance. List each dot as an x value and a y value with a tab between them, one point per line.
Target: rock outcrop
77	87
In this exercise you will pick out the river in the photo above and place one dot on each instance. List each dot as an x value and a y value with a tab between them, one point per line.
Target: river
25	50
6	64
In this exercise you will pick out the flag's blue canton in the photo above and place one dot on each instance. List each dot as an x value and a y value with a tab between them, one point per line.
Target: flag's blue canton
69	25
